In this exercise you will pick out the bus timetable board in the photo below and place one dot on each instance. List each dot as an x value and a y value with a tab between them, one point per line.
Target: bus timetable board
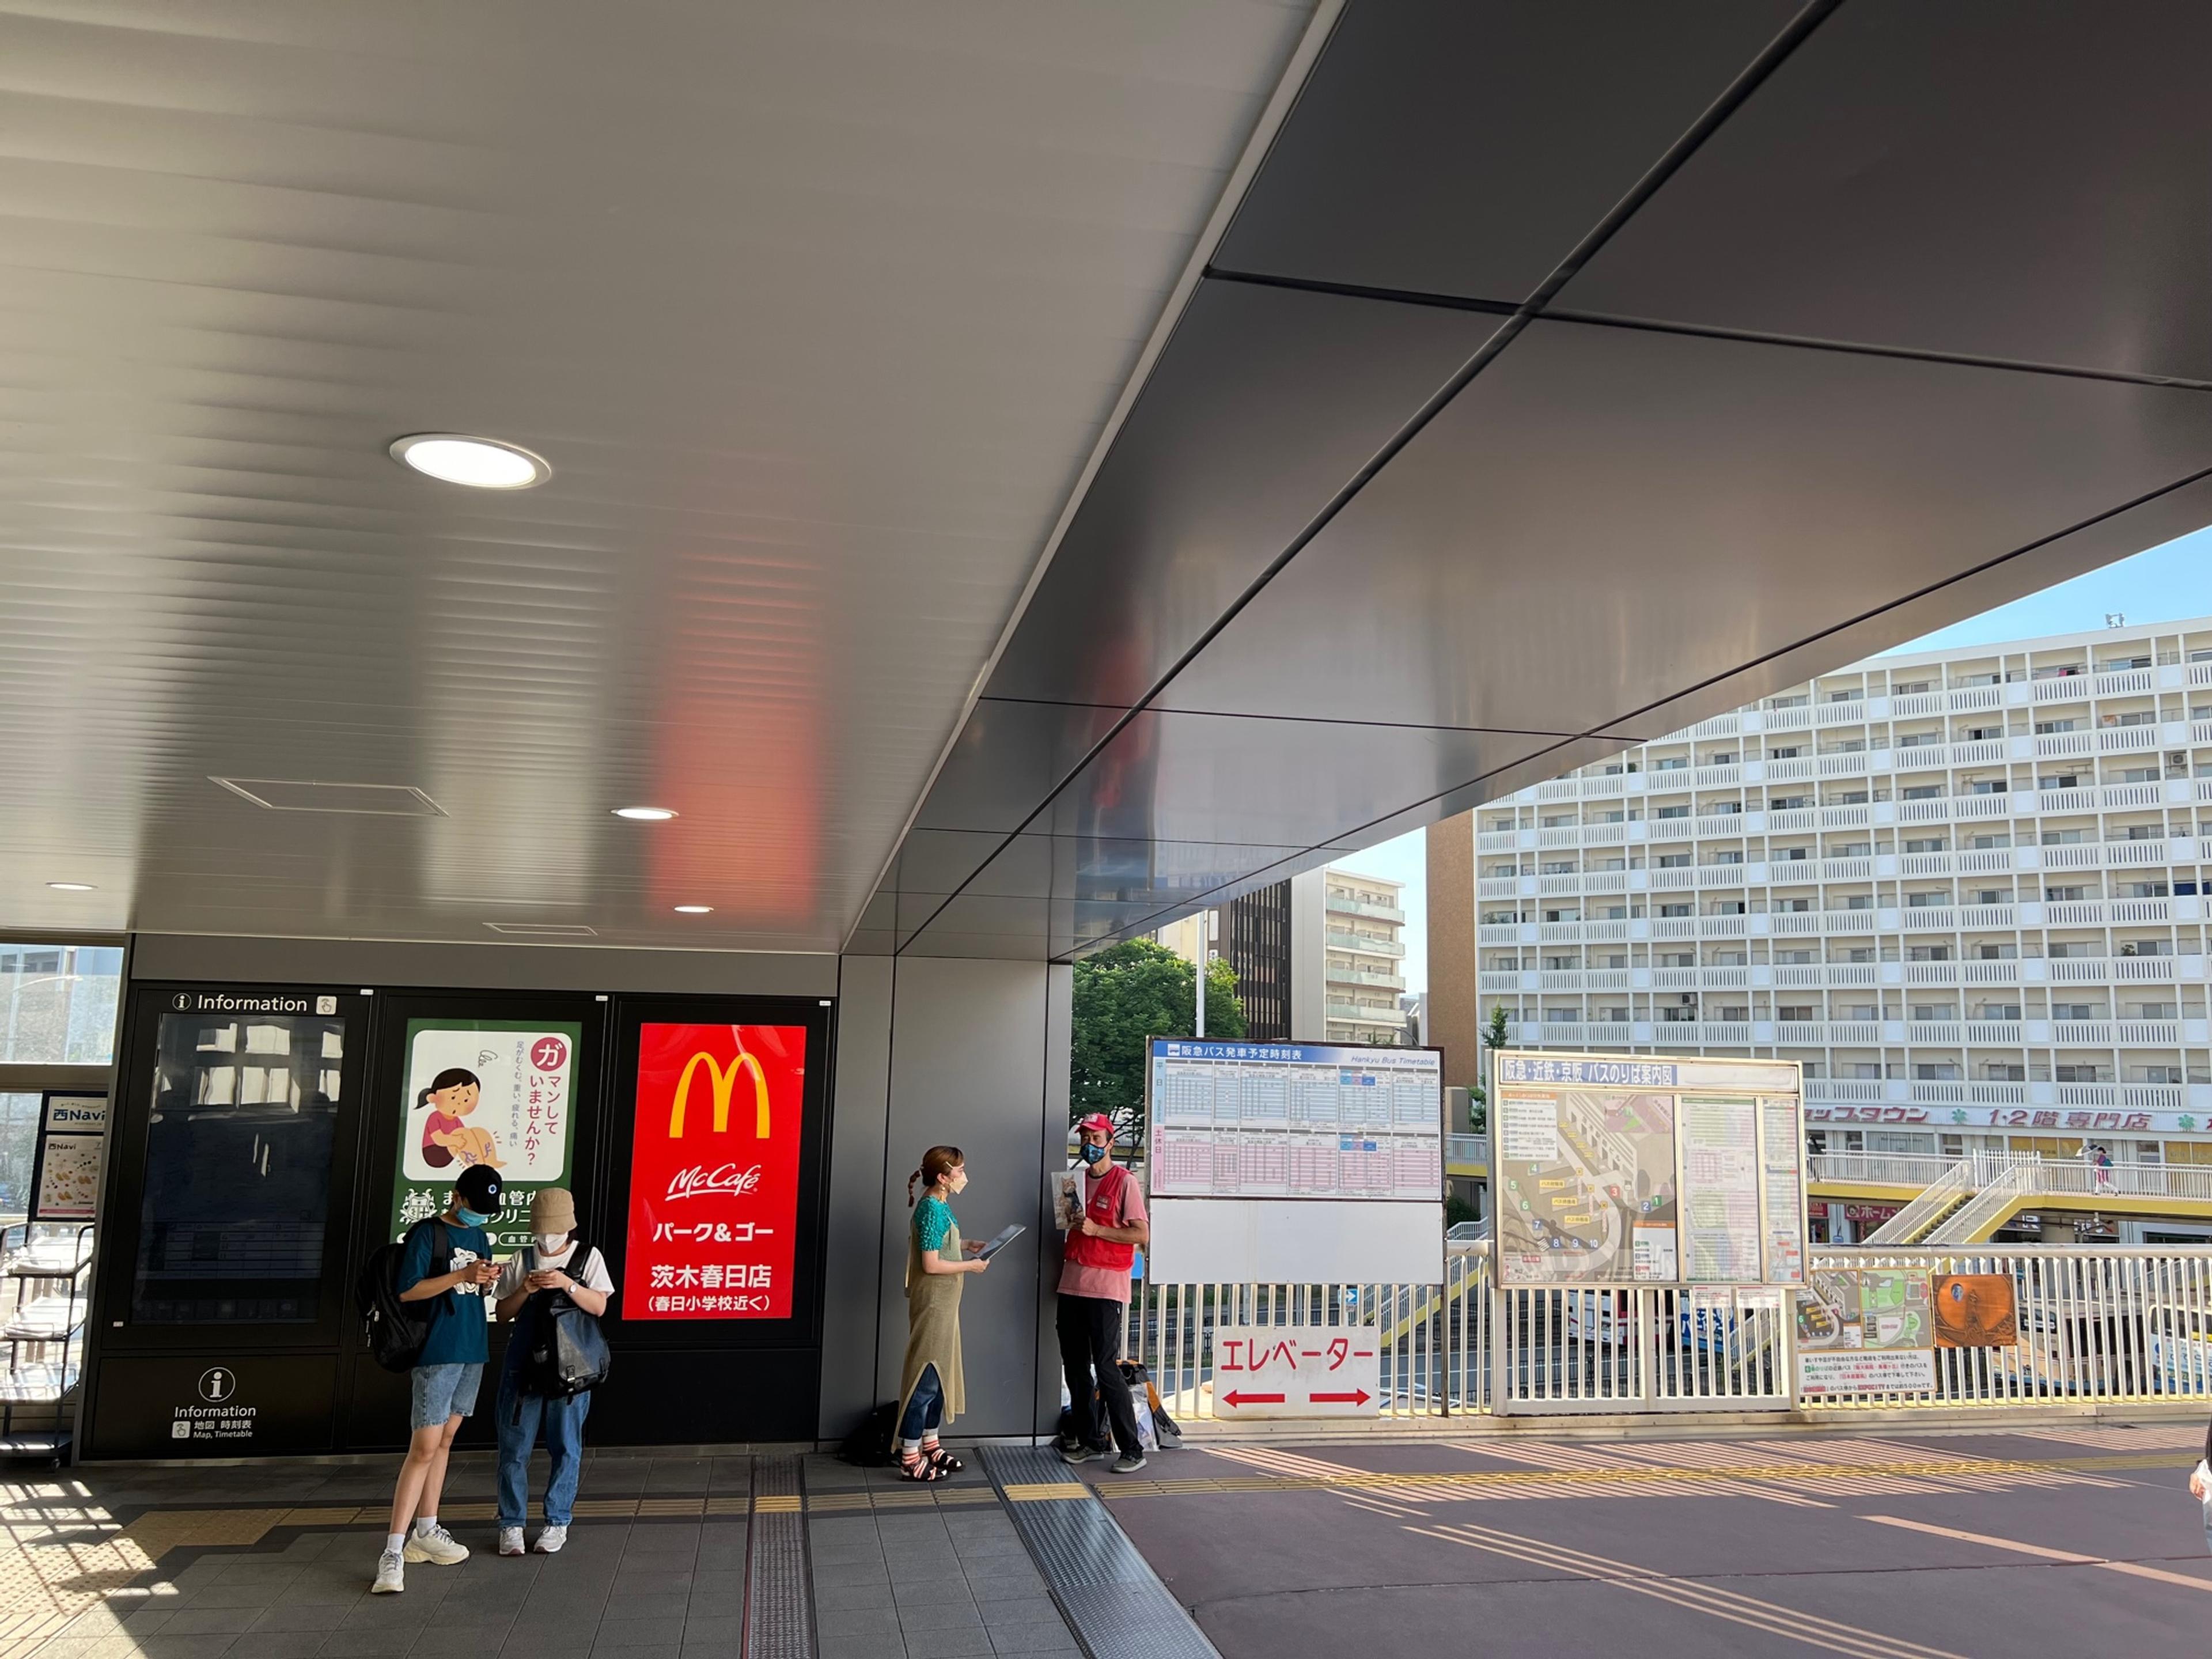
1629	1169
1294	1120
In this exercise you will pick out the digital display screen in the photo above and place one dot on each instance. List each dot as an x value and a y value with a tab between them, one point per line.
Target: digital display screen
713	1185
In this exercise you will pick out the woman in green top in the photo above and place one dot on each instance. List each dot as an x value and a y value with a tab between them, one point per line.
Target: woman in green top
930	1386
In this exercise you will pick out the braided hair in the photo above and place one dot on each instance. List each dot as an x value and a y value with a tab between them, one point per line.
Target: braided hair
936	1163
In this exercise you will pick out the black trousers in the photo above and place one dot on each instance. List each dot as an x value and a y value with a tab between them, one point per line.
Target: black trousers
1091	1341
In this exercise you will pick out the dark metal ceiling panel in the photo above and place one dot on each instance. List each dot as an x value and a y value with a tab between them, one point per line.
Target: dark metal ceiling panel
2175	513
1448	147
1979	177
1204	777
1265	402
1009	758
1607	517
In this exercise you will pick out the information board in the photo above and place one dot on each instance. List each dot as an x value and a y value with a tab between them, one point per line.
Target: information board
1294	1120
1865	1330
1620	1169
713	1184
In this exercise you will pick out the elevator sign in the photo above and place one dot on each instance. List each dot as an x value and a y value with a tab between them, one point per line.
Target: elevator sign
1297	1370
713	1187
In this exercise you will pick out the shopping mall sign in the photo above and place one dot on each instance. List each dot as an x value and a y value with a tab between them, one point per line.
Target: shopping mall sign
713	1187
2023	1119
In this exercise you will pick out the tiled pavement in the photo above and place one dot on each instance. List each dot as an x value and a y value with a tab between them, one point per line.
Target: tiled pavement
274	1561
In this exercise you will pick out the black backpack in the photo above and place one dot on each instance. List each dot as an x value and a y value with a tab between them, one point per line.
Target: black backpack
393	1330
869	1445
567	1352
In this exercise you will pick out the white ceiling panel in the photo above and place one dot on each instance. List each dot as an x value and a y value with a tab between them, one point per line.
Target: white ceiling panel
816	309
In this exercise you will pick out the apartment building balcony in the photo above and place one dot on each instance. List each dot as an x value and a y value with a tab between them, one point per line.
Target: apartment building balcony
2190	909
1867	1100
2167	1036
1362	1014
1335	975
1352	907
1361	944
1854	976
2025	804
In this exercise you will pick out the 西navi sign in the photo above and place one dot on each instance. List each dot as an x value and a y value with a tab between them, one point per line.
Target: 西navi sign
1297	1370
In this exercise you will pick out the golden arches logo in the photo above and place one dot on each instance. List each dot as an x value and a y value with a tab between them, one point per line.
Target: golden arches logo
724	1078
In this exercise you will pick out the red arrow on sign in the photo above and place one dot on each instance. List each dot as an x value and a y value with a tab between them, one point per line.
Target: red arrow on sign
1236	1397
1359	1397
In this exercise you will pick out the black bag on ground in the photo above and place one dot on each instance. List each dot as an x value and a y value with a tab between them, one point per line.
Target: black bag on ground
869	1445
393	1330
567	1352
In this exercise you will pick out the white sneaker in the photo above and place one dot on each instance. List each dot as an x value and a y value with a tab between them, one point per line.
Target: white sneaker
391	1576
510	1540
436	1545
551	1540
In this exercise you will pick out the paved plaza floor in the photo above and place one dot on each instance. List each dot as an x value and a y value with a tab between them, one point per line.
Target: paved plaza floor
1884	1546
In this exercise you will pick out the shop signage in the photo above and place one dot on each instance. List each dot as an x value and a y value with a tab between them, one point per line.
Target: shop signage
71	1148
714	1192
2029	1118
499	1092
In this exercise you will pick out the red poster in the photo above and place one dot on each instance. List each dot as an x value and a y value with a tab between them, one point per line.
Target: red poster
713	1180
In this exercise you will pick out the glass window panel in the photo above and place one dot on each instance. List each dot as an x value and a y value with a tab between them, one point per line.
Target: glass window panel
238	1170
19	1143
57	1003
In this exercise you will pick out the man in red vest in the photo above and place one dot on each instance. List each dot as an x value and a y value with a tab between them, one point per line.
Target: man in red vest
1108	1228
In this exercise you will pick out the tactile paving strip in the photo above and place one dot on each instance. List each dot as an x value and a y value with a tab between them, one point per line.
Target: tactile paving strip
779	1615
1107	1591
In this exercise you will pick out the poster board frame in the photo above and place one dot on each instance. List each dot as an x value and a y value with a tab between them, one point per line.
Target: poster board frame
1152	1128
1628	1064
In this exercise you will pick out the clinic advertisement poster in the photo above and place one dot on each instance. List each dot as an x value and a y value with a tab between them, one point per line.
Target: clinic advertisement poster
495	1091
713	1184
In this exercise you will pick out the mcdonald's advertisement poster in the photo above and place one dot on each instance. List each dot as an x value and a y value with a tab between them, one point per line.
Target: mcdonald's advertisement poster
714	1183
492	1092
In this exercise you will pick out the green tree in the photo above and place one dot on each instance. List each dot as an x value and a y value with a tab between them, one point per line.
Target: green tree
1125	993
1478	1097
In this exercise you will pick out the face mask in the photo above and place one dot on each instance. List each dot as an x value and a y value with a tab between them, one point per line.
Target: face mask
1092	1154
550	1243
470	1218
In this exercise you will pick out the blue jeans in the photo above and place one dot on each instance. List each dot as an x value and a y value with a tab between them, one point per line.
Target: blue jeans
438	1393
520	1417
924	1408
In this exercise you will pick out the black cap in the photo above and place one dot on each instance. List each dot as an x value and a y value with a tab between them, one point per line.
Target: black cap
480	1188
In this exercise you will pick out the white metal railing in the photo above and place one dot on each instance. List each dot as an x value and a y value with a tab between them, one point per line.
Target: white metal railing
1937	1200
2097	1325
1980	1216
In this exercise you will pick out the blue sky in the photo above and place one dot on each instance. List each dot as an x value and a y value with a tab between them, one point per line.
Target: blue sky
2164	584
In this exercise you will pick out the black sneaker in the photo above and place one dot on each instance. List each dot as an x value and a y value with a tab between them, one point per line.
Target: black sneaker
1128	1462
1077	1452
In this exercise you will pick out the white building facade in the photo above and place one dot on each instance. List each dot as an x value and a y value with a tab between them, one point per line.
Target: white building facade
1347	958
1967	888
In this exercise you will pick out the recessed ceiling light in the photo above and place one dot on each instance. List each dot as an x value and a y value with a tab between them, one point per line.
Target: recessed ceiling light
70	886
694	909
645	814
479	462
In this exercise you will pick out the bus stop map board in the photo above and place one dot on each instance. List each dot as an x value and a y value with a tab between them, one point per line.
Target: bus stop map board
1623	1169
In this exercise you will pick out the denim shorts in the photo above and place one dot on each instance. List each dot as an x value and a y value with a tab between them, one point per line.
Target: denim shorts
443	1391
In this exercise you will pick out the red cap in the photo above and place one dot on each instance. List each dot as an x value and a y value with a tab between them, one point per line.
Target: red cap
1097	1121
